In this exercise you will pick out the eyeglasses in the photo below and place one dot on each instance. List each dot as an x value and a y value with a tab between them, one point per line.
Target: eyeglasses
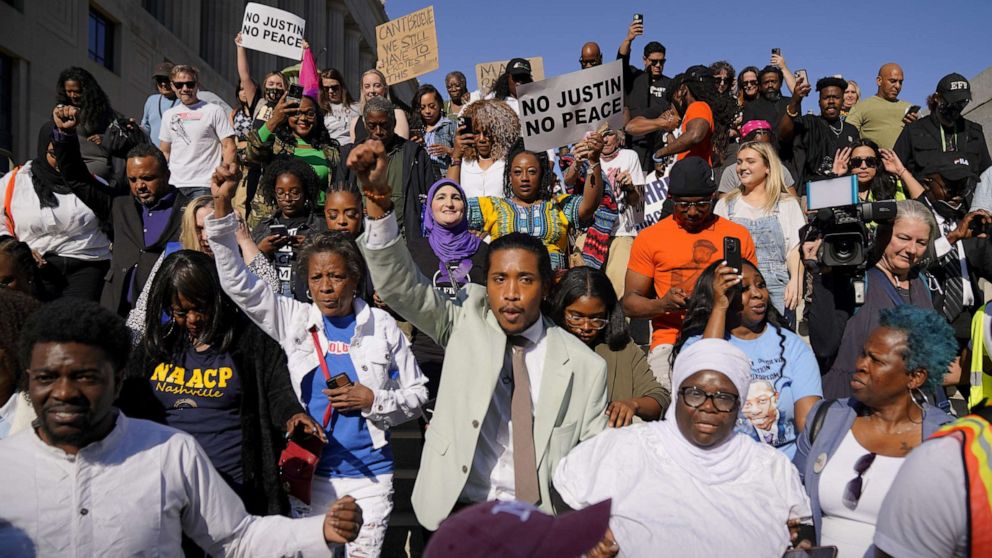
310	114
870	162
332	88
750	83
575	320
854	488
695	398
685	205
184	84
725	80
656	62
289	196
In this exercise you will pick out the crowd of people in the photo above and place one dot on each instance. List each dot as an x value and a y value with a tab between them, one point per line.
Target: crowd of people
214	317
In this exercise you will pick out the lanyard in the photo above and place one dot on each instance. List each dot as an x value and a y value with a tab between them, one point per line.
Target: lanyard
943	140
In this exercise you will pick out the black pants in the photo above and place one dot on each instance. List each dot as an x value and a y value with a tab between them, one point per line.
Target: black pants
71	277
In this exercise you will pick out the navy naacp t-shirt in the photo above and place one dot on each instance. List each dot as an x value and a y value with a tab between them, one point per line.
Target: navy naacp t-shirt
201	393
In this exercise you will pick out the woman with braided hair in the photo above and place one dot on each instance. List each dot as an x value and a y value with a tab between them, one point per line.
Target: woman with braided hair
529	206
733	304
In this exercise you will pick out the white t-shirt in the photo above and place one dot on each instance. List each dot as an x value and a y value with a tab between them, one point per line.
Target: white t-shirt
925	513
633	215
659	505
195	133
850	530
477	182
790	216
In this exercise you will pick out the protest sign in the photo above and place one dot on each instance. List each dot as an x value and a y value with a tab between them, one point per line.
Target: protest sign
273	31
487	72
407	47
558	111
655	193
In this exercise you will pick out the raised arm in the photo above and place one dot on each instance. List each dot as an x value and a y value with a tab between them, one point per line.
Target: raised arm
394	274
95	194
248	85
787	75
724	281
787	125
592	194
463	138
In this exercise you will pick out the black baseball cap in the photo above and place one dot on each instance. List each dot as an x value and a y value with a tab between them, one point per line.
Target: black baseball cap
163	70
952	166
691	177
954	88
519	67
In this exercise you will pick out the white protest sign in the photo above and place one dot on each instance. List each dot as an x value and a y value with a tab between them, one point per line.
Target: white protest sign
558	111
273	31
655	194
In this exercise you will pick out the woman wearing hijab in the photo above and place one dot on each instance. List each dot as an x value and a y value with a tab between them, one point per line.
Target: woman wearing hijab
47	204
450	256
690	477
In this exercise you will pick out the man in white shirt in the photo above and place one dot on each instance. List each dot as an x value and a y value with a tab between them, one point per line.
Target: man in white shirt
195	135
488	440
88	481
625	176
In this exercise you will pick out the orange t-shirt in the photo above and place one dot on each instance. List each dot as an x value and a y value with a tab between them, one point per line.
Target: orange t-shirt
704	148
674	257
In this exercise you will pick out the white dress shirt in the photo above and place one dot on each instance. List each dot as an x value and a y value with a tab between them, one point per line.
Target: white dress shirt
491	476
133	493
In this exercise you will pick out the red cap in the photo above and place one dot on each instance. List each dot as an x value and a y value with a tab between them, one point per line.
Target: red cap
519	530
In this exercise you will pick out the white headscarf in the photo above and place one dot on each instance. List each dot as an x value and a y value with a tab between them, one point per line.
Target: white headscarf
728	460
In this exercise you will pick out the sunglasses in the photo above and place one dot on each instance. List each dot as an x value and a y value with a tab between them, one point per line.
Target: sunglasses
184	84
750	83
332	88
685	205
854	488
725	80
656	62
588	63
870	162
695	398
521	80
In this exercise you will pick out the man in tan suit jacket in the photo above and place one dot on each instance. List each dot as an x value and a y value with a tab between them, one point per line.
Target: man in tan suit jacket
465	457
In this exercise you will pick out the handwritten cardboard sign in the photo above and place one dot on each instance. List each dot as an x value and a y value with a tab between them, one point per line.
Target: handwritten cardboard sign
273	31
407	46
487	72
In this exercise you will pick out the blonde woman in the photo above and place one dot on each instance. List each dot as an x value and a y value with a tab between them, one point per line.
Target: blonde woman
192	237
772	216
374	85
851	97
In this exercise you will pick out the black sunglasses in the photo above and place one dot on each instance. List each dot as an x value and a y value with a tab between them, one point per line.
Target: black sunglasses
725	80
656	62
182	84
587	63
870	162
854	488
332	88
749	83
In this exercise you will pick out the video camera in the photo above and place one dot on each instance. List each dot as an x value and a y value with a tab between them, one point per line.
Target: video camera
841	221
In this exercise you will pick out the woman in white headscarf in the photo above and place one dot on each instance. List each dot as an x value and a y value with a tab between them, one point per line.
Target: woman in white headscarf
690	478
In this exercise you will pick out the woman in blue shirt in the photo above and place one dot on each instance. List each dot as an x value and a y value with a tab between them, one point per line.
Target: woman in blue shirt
785	381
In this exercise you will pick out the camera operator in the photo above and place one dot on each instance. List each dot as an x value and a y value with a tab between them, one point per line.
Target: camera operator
838	325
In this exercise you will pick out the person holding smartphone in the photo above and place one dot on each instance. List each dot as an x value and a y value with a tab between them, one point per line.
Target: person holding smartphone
336	333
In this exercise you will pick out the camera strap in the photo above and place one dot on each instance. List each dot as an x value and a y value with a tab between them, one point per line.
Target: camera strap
323	368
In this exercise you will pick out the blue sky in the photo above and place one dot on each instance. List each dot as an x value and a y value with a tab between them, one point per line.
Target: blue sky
928	38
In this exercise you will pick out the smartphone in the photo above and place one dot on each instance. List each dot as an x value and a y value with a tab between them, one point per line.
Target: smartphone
294	94
639	18
339	381
814	552
914	108
280	230
732	255
777	51
801	74
465	122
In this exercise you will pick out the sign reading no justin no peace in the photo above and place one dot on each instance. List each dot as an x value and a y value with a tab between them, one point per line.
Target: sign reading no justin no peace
273	31
560	110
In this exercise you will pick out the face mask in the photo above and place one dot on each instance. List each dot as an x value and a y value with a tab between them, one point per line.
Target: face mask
273	94
950	113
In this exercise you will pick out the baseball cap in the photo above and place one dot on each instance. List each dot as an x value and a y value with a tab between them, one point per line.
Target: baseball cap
163	69
515	529
691	177
519	67
952	166
954	88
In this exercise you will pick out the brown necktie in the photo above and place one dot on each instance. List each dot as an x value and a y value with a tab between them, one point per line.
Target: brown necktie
525	483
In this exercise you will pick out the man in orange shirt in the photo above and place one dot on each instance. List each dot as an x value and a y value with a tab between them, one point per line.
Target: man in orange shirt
704	112
668	257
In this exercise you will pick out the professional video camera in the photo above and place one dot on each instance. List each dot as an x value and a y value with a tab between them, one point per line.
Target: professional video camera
842	222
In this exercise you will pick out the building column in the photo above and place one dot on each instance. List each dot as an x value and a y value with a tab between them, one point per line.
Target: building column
335	35
353	68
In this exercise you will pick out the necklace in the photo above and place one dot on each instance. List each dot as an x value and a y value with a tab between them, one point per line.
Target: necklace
836	131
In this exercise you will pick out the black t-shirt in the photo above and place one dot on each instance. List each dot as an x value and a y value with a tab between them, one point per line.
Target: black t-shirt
646	93
763	109
201	394
816	143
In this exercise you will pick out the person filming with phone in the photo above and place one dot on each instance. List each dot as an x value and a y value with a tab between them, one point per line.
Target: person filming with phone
349	363
817	141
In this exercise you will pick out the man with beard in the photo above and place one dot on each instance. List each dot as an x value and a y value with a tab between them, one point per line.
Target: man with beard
769	105
816	140
88	481
922	143
144	223
667	258
881	118
705	116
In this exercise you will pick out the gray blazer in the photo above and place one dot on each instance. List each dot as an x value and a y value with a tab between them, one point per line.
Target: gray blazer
836	424
570	408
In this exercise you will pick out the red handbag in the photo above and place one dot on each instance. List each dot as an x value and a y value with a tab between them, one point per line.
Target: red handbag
297	464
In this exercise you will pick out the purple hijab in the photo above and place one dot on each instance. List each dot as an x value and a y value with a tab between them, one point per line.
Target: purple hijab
454	245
